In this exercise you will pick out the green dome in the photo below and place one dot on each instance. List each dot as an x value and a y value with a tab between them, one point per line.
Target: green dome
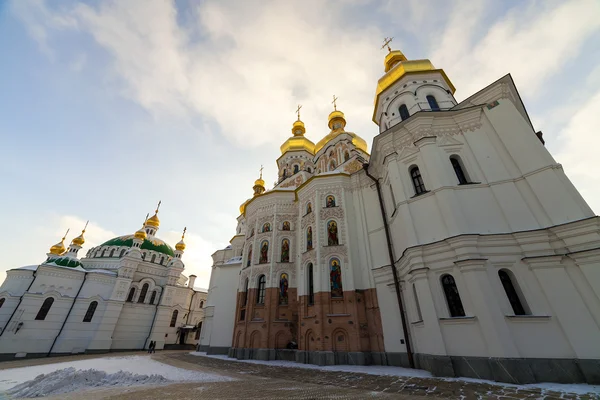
154	244
64	262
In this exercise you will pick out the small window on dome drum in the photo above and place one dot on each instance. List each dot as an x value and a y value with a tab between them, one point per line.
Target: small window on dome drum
403	112
433	104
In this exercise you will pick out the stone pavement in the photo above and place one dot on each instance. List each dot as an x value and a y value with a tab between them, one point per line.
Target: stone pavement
263	379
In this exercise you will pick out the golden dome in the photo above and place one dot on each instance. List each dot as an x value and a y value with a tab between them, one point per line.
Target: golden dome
153	220
181	244
140	234
393	58
80	240
59	248
243	206
298	142
259	182
397	66
335	117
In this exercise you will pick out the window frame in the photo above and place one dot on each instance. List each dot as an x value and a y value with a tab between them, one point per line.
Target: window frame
459	170
517	303
89	314
417	180
433	105
403	112
261	289
44	309
454	302
174	317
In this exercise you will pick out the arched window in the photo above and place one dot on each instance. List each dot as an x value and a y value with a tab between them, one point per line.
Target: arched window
201	304
264	252
458	170
335	278
131	293
245	292
267	227
309	243
346	156
122	253
112	253
153	297
283	289
452	297
143	255
433	104
41	315
403	112
308	208
296	168
332	234
103	253
309	170
153	258
285	250
2	300
260	294
249	256
162	260
330	201
143	293
417	305
311	288
511	293
174	318
90	312
284	173
417	180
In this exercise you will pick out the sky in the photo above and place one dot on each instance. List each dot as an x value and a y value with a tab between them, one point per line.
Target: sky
107	107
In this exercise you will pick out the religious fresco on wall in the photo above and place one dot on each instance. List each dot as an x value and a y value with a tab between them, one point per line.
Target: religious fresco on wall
286	226
249	256
330	201
283	289
332	234
285	250
335	277
308	208
267	227
309	244
264	250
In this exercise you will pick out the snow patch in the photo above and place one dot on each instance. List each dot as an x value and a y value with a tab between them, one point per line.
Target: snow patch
71	380
142	365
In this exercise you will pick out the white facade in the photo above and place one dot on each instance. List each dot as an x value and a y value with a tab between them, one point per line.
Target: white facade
126	293
496	255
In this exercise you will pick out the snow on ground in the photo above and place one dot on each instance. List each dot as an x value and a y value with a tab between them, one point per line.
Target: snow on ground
363	369
120	371
578	388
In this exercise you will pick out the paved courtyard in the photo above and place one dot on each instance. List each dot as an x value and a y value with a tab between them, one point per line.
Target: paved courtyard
259	381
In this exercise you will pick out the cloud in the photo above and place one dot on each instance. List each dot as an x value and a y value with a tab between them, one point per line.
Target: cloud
531	43
578	156
241	65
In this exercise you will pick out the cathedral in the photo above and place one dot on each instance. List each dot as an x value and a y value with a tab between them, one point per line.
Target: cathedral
458	245
123	295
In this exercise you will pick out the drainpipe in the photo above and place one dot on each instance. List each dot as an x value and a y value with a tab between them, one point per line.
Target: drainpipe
17	307
153	319
69	313
392	264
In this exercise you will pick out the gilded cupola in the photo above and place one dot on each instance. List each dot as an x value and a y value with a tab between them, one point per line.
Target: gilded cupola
59	248
180	246
80	240
298	142
153	220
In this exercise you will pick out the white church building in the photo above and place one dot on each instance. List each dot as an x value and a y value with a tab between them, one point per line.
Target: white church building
458	245
122	295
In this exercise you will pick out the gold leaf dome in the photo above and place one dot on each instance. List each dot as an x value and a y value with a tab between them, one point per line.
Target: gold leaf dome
181	244
59	248
153	220
298	142
79	240
140	234
337	123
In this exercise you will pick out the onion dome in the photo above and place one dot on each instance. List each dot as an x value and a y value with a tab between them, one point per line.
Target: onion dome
153	220
393	58
59	248
259	184
298	142
140	234
337	123
181	244
80	240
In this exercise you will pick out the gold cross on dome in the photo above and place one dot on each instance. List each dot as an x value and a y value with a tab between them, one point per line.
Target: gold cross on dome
184	230
386	43
334	102
298	111
261	168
